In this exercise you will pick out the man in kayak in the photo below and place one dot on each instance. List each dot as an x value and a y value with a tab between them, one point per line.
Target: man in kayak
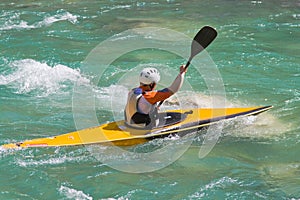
142	103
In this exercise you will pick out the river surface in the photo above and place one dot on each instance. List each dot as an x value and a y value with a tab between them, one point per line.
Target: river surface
43	46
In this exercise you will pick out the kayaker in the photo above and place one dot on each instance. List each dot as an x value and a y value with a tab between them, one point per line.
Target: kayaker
142	103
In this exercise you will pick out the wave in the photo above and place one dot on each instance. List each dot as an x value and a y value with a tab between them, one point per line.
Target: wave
282	176
14	20
110	8
213	186
28	75
71	193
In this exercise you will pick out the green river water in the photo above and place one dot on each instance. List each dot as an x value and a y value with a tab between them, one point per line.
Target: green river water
43	45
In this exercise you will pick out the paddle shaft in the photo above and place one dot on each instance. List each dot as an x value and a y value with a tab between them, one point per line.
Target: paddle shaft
188	63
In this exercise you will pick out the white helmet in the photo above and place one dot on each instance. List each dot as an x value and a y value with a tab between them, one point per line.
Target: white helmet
149	75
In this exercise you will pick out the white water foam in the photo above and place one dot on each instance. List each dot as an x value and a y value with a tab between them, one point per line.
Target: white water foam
214	185
15	22
109	8
71	193
264	125
29	75
195	100
46	159
50	161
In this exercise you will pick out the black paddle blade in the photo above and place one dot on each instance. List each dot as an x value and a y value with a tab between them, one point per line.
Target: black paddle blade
203	38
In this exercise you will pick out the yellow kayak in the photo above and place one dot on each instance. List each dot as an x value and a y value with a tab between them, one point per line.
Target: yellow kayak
117	133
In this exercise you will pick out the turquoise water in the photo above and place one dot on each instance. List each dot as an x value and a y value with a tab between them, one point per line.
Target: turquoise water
257	53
